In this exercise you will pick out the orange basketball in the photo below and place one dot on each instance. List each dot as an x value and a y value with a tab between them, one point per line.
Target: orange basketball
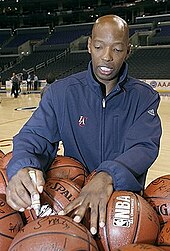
53	233
10	223
139	247
29	214
164	237
90	177
130	219
67	168
3	180
58	193
1	154
5	159
157	193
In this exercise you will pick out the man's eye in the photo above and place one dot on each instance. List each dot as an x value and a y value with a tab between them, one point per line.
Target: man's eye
117	50
97	47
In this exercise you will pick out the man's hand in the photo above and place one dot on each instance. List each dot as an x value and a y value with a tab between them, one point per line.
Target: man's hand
21	188
94	195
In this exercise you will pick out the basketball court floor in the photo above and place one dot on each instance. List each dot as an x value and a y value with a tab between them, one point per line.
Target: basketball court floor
14	112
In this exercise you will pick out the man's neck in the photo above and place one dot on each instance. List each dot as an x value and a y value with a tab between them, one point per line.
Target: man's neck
111	85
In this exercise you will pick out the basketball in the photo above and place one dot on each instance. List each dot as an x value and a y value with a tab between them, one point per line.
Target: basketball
3	181
10	223
157	193
6	158
139	247
53	233
67	168
29	214
1	154
58	193
130	219
164	237
90	177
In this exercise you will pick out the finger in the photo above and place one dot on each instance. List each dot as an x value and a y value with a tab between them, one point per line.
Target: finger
80	212
17	199
73	205
19	188
94	218
9	200
40	181
102	213
24	177
35	197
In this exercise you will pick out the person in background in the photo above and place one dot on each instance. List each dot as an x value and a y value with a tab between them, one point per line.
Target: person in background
105	119
15	85
35	82
29	82
24	75
49	80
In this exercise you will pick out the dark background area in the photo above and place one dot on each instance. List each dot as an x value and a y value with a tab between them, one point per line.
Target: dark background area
28	13
44	36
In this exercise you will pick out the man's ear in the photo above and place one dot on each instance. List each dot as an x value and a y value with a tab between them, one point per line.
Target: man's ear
128	51
89	44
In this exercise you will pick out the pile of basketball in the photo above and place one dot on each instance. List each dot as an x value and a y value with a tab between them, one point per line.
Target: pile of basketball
133	222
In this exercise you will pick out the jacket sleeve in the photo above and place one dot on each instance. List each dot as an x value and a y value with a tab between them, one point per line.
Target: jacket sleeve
142	143
37	142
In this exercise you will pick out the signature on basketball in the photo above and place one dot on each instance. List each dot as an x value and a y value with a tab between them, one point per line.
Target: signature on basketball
52	221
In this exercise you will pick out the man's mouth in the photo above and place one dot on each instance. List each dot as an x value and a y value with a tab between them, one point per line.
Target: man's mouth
105	70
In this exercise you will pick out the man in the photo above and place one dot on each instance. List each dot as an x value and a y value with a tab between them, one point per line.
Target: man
35	82
15	85
49	80
105	119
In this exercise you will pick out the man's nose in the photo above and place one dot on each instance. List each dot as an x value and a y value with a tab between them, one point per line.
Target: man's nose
107	56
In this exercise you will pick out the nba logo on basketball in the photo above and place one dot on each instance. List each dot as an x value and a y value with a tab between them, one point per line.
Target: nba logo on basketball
124	208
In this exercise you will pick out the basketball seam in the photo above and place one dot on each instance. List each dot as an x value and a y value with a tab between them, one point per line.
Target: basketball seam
53	199
9	214
3	176
157	197
138	216
60	233
7	236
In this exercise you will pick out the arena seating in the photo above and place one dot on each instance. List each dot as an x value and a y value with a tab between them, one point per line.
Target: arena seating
162	35
68	64
150	63
30	61
22	35
67	34
7	61
5	34
145	62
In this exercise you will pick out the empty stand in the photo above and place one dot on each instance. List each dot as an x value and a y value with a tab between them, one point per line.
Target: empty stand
68	64
150	63
5	34
52	55
162	35
22	35
30	61
67	34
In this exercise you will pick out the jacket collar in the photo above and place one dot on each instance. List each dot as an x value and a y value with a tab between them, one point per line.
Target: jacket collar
96	85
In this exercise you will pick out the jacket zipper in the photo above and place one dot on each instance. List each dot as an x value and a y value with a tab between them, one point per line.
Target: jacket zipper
103	127
103	103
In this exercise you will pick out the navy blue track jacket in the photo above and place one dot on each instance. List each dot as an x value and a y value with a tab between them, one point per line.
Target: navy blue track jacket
118	134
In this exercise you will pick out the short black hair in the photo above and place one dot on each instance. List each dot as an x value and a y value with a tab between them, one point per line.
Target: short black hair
51	77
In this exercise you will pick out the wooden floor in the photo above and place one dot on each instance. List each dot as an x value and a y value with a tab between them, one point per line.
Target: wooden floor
11	121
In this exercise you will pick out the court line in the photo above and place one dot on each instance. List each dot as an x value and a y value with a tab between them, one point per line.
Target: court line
11	121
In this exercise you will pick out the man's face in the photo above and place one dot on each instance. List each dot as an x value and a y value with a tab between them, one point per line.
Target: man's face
108	47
